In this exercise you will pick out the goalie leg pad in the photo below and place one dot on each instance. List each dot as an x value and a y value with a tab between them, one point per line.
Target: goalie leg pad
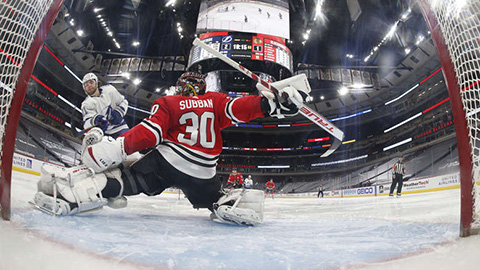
241	206
67	191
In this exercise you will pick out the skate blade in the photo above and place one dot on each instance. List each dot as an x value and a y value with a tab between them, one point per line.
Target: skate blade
43	209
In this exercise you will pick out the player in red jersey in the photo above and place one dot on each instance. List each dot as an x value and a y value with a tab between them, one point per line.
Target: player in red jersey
184	131
235	180
269	187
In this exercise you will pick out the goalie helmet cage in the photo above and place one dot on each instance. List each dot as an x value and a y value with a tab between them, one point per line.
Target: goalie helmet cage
455	29
24	26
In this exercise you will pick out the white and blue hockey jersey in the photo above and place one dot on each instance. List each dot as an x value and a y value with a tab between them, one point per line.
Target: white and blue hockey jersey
109	100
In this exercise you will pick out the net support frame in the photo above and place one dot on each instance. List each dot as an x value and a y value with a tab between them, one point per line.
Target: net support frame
16	107
465	153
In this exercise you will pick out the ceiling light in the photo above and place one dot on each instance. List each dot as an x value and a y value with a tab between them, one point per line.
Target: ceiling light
407	51
170	3
96	10
405	15
318	9
358	86
343	91
137	81
110	33
126	75
72	22
80	33
136	43
158	90
392	31
322	97
419	39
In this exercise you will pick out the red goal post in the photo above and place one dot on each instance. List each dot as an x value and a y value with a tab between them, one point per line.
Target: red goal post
455	30
25	25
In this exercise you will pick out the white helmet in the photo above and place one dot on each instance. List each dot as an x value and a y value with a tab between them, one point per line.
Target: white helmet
89	77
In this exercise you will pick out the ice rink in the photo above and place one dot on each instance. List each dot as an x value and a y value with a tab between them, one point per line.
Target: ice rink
413	232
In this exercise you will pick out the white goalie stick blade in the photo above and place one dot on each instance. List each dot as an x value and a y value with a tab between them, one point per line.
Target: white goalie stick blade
304	110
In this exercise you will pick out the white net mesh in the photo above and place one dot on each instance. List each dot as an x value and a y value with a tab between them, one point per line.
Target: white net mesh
459	22
19	22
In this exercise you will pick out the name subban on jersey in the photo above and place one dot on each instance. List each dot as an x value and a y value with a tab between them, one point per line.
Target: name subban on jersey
193	103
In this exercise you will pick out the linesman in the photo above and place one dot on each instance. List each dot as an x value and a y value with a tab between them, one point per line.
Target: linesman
399	169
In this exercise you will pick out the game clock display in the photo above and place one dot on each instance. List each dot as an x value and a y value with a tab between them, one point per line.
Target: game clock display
244	46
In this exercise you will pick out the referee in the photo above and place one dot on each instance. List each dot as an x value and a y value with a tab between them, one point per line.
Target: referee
398	173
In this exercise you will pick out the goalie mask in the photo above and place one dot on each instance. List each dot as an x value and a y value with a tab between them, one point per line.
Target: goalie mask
191	84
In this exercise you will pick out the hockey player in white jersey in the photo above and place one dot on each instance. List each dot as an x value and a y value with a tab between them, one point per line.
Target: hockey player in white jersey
104	107
248	183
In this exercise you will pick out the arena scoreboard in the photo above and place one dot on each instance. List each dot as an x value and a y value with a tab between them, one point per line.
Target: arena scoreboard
244	46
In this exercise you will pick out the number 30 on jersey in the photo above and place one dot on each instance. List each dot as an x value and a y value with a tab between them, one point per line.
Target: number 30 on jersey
198	129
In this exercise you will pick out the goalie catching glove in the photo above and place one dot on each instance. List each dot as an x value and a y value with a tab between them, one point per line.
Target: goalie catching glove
240	206
292	92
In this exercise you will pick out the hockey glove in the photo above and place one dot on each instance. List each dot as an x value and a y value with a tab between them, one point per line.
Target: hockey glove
284	107
116	118
105	154
101	122
297	96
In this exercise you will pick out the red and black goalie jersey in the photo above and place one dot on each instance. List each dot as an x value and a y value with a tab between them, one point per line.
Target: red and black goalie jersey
186	130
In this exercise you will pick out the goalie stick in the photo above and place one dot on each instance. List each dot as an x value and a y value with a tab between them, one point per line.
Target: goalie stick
307	112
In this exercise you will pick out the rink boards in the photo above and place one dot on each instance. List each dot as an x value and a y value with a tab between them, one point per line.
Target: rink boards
428	184
31	165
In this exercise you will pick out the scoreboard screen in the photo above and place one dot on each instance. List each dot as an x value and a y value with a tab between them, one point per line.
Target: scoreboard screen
269	17
243	45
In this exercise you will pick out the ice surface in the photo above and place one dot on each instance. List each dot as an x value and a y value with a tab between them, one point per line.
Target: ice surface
165	232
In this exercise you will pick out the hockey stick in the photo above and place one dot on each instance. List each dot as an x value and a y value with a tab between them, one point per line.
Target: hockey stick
307	112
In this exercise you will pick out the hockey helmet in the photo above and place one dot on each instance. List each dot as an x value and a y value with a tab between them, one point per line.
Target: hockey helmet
90	77
191	84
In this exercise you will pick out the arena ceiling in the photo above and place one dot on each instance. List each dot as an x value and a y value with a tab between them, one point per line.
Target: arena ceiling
337	39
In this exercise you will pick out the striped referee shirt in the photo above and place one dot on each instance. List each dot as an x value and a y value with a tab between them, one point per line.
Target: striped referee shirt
399	167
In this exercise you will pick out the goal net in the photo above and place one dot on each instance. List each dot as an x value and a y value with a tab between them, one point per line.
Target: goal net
24	25
455	29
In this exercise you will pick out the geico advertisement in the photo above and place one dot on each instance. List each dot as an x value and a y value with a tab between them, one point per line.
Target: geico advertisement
365	191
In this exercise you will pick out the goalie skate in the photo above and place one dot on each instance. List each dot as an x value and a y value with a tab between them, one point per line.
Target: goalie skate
240	206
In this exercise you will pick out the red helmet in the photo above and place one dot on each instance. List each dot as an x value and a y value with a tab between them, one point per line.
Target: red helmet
191	84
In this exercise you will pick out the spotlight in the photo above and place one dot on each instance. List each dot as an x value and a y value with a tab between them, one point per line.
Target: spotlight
343	91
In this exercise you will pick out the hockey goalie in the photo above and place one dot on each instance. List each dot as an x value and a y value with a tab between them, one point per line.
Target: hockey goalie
184	132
